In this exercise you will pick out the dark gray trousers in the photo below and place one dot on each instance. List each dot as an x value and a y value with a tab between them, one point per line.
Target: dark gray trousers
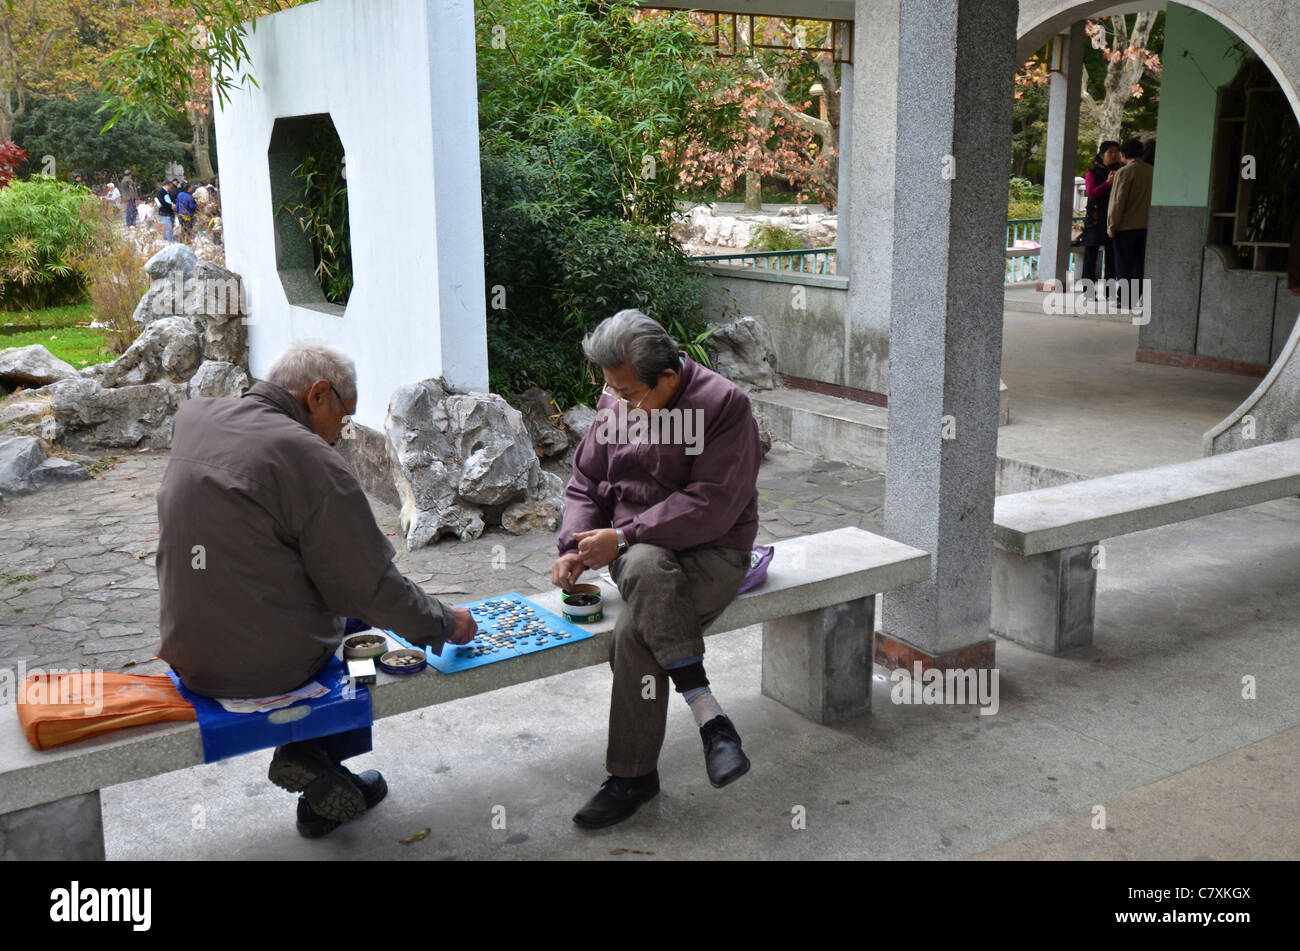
669	599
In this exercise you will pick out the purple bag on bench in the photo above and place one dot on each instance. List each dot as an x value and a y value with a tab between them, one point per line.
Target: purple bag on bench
759	559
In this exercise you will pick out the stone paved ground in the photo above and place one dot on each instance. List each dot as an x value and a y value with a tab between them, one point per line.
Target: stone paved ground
77	583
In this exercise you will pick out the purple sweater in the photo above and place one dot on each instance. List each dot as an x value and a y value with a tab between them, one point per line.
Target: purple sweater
698	491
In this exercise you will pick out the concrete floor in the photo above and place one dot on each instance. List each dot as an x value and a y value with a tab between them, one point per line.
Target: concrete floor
1081	403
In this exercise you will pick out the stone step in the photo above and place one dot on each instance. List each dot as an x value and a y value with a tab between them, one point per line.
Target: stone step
847	431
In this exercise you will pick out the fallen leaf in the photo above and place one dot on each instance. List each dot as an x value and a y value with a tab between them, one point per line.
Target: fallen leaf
392	533
629	852
414	838
129	663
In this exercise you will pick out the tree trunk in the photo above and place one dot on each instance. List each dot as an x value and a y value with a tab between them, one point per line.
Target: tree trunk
753	191
199	140
1121	74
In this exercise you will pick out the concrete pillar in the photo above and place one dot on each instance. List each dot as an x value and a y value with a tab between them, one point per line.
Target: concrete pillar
868	220
818	663
953	137
1046	602
70	829
844	185
1062	148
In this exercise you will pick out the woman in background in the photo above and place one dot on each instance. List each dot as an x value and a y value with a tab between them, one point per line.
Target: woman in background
1097	185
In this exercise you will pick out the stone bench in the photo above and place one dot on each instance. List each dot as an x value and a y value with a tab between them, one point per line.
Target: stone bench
817	611
1046	542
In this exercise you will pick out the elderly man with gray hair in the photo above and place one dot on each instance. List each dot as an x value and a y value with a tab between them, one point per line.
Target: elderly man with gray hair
267	547
675	520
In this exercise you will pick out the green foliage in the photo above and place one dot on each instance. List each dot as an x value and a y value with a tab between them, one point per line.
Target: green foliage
42	230
68	129
775	238
577	101
633	86
1025	200
563	261
323	213
149	79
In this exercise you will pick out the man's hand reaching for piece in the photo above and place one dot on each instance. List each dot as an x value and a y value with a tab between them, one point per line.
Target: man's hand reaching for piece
466	627
566	570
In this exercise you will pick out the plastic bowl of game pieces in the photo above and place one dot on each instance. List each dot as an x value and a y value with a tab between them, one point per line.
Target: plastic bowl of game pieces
365	646
402	662
582	605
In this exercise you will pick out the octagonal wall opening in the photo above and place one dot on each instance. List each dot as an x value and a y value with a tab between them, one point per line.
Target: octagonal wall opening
309	208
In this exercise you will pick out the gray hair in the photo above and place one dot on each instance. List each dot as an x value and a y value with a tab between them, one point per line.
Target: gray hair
632	338
308	361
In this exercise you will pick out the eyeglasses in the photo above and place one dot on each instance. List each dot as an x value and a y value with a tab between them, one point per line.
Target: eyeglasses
609	391
347	417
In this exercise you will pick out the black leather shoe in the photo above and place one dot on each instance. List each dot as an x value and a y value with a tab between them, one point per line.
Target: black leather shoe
723	757
312	825
618	798
329	789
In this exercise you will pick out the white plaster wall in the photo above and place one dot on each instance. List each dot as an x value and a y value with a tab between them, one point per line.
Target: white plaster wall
398	79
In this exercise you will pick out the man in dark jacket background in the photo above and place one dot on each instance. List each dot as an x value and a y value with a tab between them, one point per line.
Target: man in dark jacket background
675	519
267	544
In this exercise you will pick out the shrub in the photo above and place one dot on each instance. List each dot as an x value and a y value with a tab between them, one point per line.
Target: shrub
42	231
560	260
775	238
113	270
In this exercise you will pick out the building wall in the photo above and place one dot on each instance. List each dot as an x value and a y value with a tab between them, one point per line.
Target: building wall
1200	306
397	77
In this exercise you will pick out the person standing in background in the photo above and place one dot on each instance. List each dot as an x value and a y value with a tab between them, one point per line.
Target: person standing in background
130	198
1130	207
166	206
1097	185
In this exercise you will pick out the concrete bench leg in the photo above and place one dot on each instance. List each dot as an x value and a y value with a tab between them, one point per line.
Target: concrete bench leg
819	663
70	829
1045	601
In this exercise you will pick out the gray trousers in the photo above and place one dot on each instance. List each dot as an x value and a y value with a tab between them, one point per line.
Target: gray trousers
669	599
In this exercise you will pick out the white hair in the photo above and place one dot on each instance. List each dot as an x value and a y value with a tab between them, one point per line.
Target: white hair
309	361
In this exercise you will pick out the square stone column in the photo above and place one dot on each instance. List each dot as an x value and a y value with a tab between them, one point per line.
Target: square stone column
956	63
844	180
866	221
1062	148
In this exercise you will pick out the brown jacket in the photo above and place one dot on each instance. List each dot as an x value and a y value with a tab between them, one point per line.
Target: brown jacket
1130	197
266	544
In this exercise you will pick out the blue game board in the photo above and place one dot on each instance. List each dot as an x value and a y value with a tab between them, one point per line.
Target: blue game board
509	626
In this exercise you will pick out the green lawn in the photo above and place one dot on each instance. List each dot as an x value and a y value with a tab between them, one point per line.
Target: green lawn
64	331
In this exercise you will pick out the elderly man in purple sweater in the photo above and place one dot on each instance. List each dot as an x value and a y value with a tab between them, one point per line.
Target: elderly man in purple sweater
664	492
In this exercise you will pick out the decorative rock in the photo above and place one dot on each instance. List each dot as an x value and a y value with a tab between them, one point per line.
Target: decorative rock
18	457
169	348
579	419
456	455
743	352
220	314
764	429
32	366
536	406
89	416
24	467
56	471
536	515
215	378
174	257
